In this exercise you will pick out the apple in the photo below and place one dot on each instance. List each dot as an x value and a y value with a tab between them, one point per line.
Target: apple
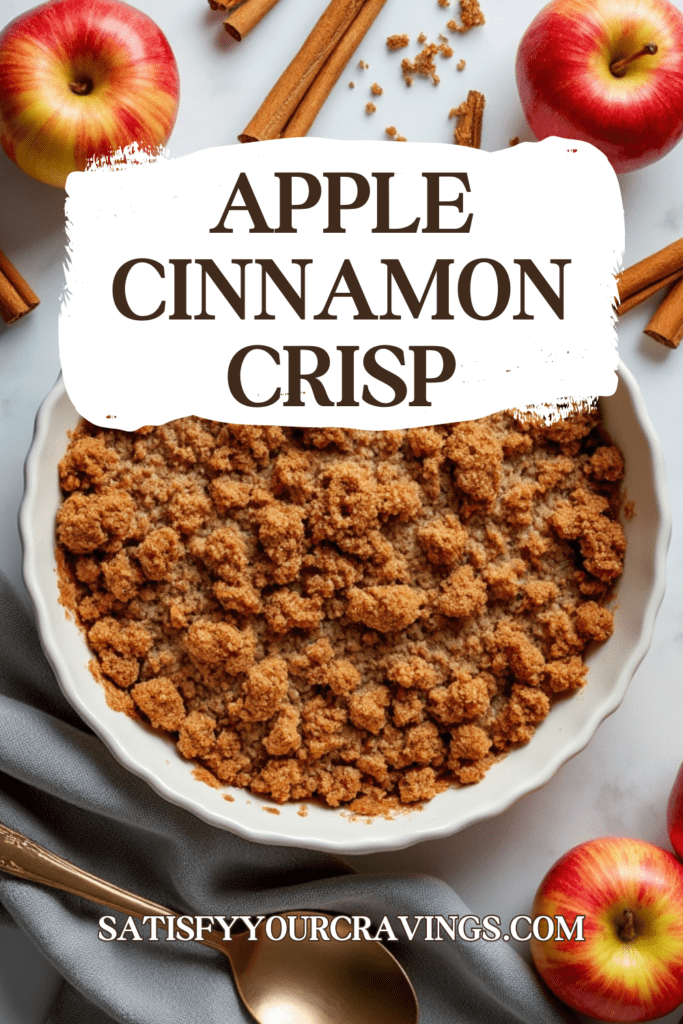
674	814
81	79
609	72
629	966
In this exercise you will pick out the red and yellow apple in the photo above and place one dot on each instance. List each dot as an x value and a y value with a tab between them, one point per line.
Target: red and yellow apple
81	79
609	72
674	814
629	967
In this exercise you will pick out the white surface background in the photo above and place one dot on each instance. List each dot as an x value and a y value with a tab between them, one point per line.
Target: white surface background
620	783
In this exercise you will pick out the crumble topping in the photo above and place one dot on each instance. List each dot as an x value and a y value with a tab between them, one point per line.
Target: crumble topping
362	616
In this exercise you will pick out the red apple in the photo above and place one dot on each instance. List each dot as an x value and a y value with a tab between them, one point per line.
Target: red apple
674	814
81	79
629	967
574	81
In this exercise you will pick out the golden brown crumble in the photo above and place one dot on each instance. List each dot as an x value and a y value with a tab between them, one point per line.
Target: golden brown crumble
471	15
370	108
397	42
424	63
362	616
376	89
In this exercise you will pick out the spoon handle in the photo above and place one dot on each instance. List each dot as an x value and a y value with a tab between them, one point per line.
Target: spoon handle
23	858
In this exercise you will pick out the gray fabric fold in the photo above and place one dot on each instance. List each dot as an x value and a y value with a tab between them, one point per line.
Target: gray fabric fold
60	786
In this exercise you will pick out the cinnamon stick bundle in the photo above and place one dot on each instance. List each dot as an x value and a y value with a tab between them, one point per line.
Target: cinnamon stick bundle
666	326
645	293
311	105
316	68
245	17
17	298
650	274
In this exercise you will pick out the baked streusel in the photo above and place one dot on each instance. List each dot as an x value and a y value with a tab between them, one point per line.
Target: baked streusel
368	616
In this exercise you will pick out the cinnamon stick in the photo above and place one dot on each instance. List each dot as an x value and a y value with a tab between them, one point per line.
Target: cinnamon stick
470	115
224	5
311	104
17	298
666	326
283	99
242	20
650	270
645	293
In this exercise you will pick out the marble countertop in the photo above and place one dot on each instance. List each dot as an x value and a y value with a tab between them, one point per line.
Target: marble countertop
620	783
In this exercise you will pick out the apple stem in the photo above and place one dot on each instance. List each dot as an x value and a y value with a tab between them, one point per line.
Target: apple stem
618	69
627	931
82	87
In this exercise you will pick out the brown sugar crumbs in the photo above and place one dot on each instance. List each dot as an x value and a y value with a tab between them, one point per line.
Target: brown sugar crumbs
360	616
471	15
397	42
424	63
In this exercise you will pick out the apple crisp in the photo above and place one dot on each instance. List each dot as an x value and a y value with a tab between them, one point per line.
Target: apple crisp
365	616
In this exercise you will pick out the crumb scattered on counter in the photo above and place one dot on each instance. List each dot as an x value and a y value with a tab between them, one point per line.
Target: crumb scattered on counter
397	42
352	85
514	141
424	63
363	65
461	65
376	89
370	108
471	15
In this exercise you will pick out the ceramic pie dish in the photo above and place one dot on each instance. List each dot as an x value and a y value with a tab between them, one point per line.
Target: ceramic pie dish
568	728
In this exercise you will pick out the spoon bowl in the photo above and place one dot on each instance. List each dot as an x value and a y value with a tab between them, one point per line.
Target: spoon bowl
356	981
292	979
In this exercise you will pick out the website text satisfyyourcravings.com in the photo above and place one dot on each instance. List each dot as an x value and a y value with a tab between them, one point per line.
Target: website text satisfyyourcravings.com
342	928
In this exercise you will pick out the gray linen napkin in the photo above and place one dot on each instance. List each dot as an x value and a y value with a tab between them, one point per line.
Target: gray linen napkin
60	786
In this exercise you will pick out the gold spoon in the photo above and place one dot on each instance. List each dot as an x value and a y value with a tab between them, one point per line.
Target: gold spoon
280	981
